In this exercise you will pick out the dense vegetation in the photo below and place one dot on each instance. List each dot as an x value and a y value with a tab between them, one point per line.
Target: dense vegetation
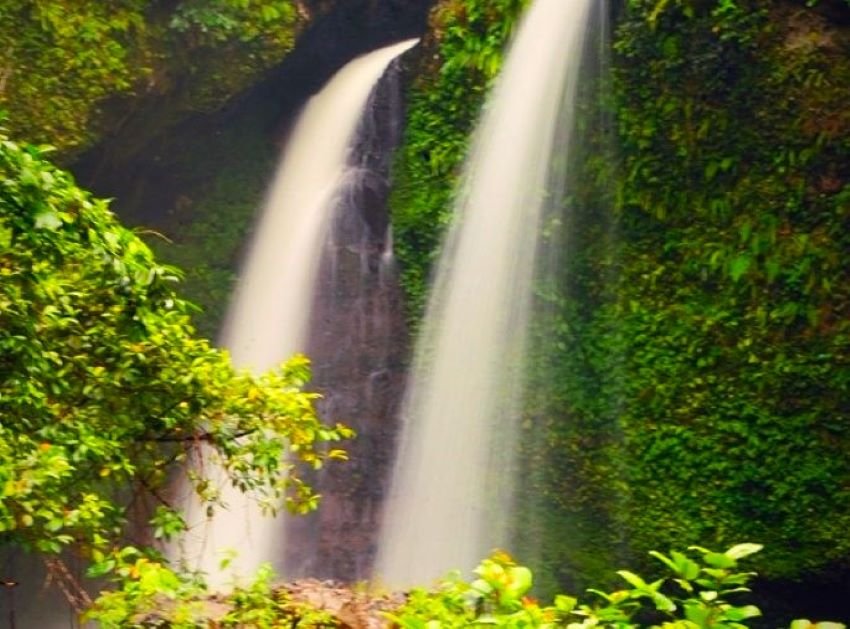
693	372
105	390
732	294
691	375
701	589
723	338
61	61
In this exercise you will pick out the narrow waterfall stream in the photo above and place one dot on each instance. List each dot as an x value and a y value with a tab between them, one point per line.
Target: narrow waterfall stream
358	348
453	482
268	318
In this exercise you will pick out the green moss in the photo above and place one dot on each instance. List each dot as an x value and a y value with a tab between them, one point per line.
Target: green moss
461	58
58	63
691	374
717	369
210	223
62	63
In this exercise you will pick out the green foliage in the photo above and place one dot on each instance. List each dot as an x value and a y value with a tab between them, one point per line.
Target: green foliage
261	606
220	21
61	60
497	597
460	62
106	391
733	294
223	46
694	356
702	589
701	592
150	594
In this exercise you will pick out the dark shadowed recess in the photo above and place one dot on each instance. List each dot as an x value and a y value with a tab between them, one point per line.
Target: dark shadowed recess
824	596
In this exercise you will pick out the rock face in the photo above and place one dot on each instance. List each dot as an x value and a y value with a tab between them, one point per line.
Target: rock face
358	346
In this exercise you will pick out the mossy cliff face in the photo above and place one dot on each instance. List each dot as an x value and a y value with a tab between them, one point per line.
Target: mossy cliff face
732	305
72	71
696	372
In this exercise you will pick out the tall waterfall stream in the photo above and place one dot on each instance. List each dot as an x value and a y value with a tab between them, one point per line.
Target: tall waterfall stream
269	315
301	219
454	481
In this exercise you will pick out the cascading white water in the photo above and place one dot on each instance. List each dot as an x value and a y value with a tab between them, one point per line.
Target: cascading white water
453	482
268	317
357	346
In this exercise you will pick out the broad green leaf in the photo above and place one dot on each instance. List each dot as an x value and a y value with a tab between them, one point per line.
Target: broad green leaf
739	551
698	613
520	580
742	613
5	236
663	603
739	266
565	604
667	561
48	219
719	560
632	579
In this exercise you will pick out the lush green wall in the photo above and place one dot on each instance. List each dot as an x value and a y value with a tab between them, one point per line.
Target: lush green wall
63	63
695	381
731	312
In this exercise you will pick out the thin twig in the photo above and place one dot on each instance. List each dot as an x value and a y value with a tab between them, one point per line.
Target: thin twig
74	593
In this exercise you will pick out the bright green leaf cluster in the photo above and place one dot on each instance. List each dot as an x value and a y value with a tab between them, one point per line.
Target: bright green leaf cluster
151	594
106	392
699	595
62	63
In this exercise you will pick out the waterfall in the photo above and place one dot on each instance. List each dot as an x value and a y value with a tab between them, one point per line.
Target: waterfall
453	483
358	349
267	321
268	318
